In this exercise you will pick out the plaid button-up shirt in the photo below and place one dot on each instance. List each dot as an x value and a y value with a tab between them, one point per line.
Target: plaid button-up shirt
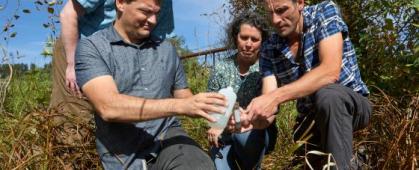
320	21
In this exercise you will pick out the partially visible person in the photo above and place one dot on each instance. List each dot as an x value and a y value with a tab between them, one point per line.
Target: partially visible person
241	71
81	18
314	61
136	83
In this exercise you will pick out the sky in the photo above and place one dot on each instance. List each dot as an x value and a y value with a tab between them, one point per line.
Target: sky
199	22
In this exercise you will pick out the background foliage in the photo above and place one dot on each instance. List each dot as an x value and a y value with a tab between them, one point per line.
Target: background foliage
385	34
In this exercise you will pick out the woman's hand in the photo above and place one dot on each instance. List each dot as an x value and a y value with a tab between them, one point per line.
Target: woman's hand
213	136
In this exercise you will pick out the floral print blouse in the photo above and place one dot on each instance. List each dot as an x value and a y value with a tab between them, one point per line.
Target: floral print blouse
226	73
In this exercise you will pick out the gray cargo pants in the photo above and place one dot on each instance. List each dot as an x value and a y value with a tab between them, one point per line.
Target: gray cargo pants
338	112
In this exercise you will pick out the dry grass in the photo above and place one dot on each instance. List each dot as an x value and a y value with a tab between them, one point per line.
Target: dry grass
391	140
4	84
37	141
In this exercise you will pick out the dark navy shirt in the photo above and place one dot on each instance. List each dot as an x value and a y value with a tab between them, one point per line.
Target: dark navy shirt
149	70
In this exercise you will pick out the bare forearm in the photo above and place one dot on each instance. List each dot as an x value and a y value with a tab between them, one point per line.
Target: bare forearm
330	56
182	93
69	28
69	38
307	84
124	108
115	107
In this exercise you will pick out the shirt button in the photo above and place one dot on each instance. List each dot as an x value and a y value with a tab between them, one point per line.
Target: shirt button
142	69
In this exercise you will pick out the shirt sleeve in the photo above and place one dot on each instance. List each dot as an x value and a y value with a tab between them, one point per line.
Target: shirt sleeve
89	63
180	78
90	5
330	21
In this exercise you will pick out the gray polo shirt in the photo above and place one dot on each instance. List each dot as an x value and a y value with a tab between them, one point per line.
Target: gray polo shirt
150	70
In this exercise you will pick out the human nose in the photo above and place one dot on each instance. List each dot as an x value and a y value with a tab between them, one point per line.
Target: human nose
152	19
248	43
276	19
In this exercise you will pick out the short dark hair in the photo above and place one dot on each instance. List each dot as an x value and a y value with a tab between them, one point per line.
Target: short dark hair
295	1
129	1
246	17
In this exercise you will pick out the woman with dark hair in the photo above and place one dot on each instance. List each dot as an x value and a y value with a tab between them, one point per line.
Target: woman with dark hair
241	71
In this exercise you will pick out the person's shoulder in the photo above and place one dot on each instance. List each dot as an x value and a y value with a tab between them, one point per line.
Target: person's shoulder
102	33
97	41
164	43
97	37
324	10
224	64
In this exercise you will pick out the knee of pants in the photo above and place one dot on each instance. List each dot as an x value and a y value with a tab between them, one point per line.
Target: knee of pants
252	142
253	137
326	99
184	156
249	148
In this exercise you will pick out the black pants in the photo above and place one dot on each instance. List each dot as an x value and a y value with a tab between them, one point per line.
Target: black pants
180	152
338	112
177	151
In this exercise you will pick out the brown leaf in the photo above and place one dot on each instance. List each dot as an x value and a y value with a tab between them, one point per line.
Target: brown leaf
26	11
50	10
13	35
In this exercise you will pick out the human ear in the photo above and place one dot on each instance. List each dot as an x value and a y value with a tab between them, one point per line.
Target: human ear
120	5
300	4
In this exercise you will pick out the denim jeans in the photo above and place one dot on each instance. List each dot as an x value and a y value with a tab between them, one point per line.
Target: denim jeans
247	149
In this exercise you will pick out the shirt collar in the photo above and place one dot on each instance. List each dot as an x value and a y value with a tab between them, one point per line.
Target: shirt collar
115	38
308	18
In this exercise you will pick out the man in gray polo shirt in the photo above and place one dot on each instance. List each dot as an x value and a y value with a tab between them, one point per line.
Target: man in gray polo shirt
137	84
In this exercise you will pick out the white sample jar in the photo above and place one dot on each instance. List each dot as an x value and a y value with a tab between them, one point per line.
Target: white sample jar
222	118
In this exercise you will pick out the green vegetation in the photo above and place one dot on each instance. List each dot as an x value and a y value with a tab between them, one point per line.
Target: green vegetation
28	91
29	137
385	36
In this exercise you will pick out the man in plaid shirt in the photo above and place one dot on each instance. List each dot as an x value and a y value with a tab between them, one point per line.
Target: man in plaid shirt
310	58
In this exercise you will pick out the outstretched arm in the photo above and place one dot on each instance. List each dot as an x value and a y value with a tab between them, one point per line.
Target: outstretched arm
330	56
115	107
